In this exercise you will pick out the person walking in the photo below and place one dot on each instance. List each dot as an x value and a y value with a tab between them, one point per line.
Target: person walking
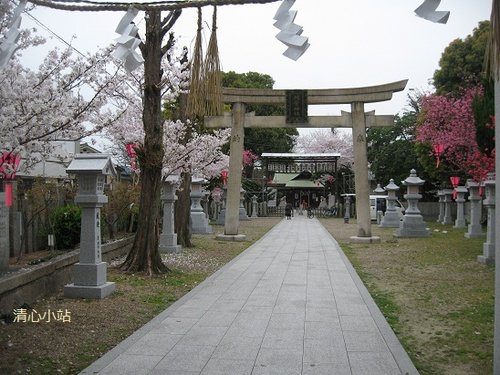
288	211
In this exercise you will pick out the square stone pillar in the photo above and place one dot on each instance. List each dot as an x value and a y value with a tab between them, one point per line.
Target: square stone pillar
89	274
460	221
4	235
488	256
474	229
168	237
448	198
440	195
199	219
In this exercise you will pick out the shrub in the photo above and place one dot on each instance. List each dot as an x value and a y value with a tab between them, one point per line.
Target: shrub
66	222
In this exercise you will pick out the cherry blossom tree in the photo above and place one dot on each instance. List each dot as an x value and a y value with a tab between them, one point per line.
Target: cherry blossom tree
450	121
67	98
326	141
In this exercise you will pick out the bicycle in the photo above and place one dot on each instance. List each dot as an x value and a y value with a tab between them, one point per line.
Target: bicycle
310	214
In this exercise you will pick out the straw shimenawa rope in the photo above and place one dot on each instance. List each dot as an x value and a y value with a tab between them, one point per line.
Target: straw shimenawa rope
95	6
196	97
213	74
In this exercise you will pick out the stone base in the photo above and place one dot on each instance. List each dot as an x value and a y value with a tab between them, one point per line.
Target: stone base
222	217
474	231
485	260
93	292
85	274
390	220
412	226
373	239
170	249
243	215
231	237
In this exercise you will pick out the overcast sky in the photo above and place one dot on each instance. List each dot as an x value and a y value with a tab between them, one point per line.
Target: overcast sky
354	43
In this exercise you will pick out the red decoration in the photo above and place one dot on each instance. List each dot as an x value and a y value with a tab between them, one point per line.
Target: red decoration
8	167
454	182
224	174
438	151
131	154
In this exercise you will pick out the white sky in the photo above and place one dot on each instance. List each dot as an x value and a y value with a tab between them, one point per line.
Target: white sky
353	42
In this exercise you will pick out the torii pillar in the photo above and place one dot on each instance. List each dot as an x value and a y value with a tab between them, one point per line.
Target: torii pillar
296	102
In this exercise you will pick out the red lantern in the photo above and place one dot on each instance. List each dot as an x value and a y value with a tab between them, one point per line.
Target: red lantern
454	182
224	174
8	167
438	151
131	154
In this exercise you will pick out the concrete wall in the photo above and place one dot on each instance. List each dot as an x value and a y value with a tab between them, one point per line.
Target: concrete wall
27	285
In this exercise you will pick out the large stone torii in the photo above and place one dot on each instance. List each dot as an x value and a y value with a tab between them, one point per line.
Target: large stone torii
296	102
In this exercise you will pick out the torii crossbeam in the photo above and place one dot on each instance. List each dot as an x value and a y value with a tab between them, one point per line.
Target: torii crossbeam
297	100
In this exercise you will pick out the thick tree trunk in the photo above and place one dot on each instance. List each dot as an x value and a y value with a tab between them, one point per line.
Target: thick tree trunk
144	255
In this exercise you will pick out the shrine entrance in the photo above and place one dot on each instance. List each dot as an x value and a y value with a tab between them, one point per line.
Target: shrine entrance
297	102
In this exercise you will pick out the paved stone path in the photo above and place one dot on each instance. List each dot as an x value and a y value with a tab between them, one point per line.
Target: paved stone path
290	304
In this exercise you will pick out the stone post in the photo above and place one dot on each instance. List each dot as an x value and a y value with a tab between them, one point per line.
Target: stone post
231	221
89	274
222	213
448	198
391	217
347	204
412	224
440	195
474	229
363	219
488	256
168	237
460	221
255	206
199	221
4	235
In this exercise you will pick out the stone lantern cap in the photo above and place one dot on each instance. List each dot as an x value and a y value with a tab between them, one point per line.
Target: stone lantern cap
413	179
379	189
391	186
172	178
91	164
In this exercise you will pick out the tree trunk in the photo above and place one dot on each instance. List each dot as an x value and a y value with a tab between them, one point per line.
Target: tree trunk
183	212
144	255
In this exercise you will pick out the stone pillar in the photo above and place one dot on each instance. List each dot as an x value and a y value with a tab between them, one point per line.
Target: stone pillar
488	256
347	205
361	175
4	235
448	198
199	221
89	274
232	222
391	218
168	237
255	207
440	195
474	229
412	224
460	221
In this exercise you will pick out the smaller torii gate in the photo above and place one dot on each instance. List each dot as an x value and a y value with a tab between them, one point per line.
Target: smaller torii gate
296	102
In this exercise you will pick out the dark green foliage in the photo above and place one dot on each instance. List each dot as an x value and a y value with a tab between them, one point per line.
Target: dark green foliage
391	150
484	108
462	62
66	223
262	140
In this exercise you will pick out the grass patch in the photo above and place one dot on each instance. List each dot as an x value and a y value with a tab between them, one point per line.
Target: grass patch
435	295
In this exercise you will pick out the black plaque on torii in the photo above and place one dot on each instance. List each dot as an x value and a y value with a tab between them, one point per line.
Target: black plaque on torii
296	107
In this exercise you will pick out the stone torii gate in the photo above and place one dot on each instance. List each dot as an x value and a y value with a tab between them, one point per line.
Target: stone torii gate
296	102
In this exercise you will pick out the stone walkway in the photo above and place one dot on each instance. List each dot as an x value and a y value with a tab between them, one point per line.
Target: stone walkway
290	304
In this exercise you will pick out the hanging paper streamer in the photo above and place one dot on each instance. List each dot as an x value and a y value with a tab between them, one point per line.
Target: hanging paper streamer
8	167
438	150
428	11
291	33
127	43
8	44
454	182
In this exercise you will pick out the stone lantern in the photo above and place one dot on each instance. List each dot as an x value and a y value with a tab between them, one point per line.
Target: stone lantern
460	199
89	274
391	217
488	256
474	228
199	220
412	224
